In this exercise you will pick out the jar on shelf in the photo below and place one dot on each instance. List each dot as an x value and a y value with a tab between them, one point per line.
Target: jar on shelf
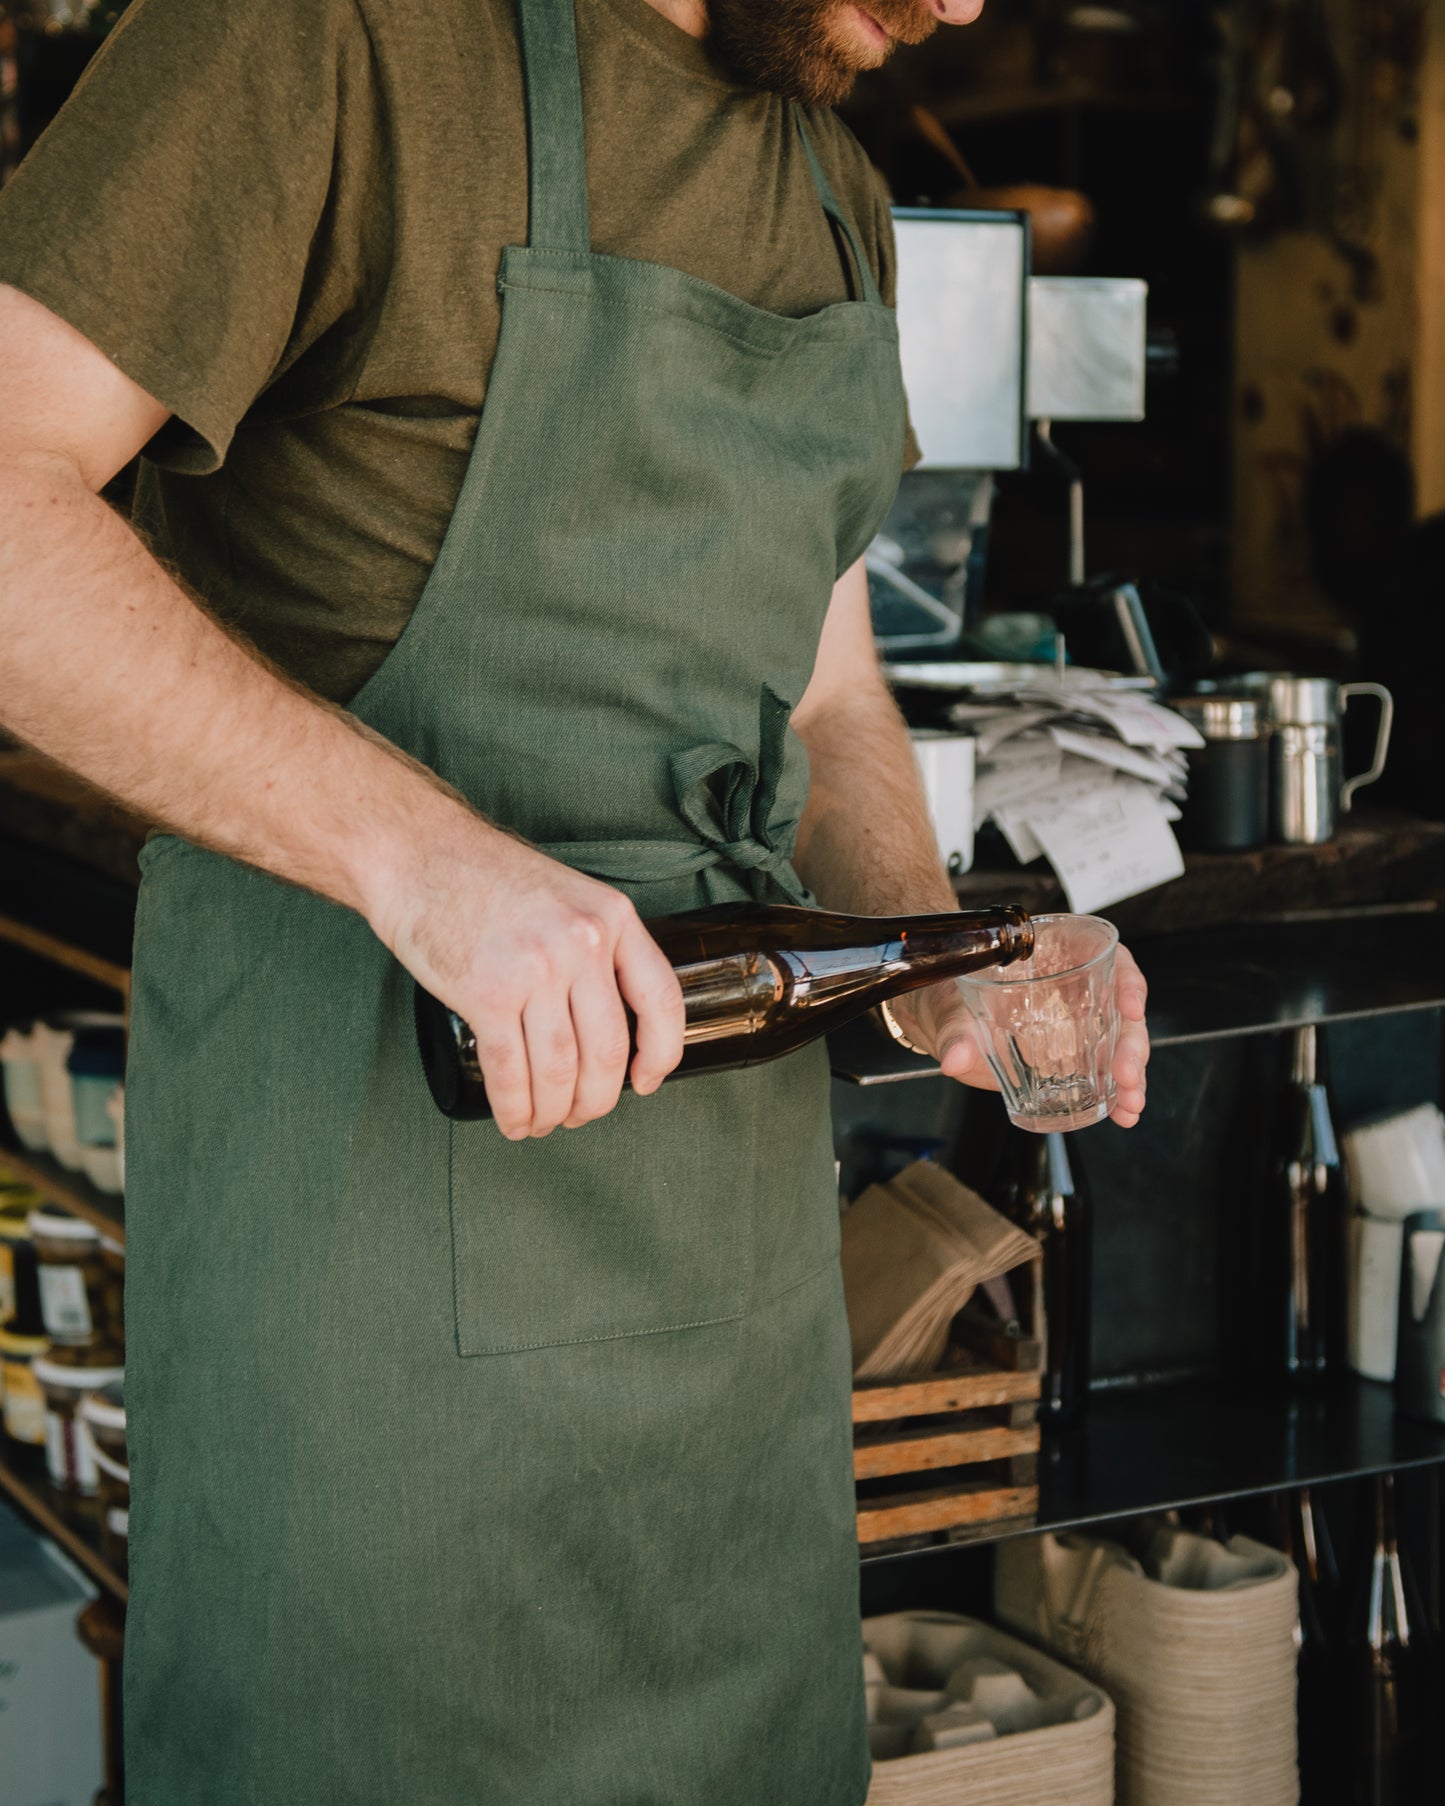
66	1374
103	1414
112	1252
22	1403
54	1037
19	1289
96	1064
21	1067
75	1283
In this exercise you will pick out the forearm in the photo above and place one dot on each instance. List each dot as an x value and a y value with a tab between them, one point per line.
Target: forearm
109	667
866	844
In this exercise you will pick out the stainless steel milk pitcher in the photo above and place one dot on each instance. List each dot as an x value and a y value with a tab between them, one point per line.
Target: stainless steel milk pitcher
1309	790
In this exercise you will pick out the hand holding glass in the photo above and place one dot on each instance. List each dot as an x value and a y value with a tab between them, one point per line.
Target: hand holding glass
1048	1025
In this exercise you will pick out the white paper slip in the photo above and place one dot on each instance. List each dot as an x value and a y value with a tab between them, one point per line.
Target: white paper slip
1134	760
1020	837
1110	847
1018	721
1017	782
1140	722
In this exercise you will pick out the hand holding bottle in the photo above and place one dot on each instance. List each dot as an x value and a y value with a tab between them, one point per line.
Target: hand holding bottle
938	1021
547	963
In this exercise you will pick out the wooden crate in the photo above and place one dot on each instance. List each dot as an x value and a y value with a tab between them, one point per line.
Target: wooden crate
945	1455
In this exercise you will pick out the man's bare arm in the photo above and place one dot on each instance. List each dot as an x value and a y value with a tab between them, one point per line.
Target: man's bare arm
111	669
866	844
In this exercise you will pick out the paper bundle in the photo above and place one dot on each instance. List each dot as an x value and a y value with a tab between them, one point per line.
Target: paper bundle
1091	777
914	1249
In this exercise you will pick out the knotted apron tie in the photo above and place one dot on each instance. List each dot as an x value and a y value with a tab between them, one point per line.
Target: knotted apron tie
727	801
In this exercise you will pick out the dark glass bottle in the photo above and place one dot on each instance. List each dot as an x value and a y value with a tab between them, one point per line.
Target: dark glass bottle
758	983
1307	1214
1303	1535
1040	1186
1388	1670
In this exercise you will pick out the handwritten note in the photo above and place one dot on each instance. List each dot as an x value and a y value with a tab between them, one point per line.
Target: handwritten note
1110	846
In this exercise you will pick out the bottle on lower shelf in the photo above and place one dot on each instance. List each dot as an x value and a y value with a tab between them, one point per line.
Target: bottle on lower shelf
1392	1710
1039	1185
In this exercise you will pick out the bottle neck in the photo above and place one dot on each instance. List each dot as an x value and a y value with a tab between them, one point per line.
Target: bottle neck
1305	1056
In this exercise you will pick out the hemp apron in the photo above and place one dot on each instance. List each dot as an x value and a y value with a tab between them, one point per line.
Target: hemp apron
468	1471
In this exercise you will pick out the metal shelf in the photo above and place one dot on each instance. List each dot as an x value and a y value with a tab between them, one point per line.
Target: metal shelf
72	1191
1212	983
62	953
73	1523
1165	1447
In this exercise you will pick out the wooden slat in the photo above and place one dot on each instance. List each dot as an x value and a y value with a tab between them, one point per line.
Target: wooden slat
918	1451
915	1514
944	1392
71	1191
61	953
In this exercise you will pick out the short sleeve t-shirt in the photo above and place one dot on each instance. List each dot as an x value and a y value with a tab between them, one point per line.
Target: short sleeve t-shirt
283	219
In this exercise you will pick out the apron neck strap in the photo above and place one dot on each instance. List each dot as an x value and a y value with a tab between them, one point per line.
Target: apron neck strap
556	153
862	269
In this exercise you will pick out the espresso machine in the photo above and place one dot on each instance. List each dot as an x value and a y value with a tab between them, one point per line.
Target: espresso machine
993	356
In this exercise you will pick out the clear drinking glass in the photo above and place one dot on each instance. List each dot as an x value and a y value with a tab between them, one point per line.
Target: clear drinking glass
1048	1025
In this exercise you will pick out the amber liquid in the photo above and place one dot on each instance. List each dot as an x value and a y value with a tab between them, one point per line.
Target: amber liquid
758	983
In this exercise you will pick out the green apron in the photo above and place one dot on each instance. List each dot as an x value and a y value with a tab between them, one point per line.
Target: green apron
477	1473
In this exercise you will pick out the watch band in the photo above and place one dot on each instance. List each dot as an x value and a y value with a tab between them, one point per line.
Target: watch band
890	1022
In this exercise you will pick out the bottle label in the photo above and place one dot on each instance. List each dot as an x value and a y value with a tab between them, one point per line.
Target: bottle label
69	1452
63	1303
57	1448
24	1403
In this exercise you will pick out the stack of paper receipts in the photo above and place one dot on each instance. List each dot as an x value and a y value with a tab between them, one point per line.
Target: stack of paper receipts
1088	775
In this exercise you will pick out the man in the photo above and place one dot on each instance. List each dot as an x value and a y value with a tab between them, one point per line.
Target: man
482	1464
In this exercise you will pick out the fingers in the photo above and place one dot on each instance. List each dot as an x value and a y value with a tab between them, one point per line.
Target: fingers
1131	1057
943	1016
599	1024
650	989
502	1055
553	1060
1130	986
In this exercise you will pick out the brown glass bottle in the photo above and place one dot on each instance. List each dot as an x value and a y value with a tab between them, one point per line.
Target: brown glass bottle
760	982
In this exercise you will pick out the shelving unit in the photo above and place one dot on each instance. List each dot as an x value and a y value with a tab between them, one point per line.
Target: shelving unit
1209	984
72	1191
1167	1447
62	953
74	1523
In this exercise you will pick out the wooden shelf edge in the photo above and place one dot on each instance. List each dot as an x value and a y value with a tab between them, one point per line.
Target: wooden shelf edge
62	953
44	1516
70	1194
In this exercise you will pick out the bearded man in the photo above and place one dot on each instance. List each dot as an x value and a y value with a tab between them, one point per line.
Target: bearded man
517	393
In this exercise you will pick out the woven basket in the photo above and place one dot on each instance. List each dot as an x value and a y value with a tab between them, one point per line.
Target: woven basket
1067	1763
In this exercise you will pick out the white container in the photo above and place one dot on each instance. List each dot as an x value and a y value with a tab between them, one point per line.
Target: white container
53	1040
1397	1163
1372	1314
22	1088
947	763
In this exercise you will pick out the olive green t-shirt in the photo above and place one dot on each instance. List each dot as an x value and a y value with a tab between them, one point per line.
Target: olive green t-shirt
283	219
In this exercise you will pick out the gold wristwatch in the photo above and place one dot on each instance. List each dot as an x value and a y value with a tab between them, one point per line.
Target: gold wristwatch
890	1022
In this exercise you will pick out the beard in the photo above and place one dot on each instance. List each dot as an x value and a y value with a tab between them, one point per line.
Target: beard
810	50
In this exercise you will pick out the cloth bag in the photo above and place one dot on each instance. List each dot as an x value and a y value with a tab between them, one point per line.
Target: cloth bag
1193	1640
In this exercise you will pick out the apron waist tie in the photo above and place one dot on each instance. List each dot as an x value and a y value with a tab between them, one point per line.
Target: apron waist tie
726	800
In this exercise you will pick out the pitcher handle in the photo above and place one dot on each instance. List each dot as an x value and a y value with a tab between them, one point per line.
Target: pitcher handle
1382	738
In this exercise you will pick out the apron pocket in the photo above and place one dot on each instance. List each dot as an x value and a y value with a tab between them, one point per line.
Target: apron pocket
635	1225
